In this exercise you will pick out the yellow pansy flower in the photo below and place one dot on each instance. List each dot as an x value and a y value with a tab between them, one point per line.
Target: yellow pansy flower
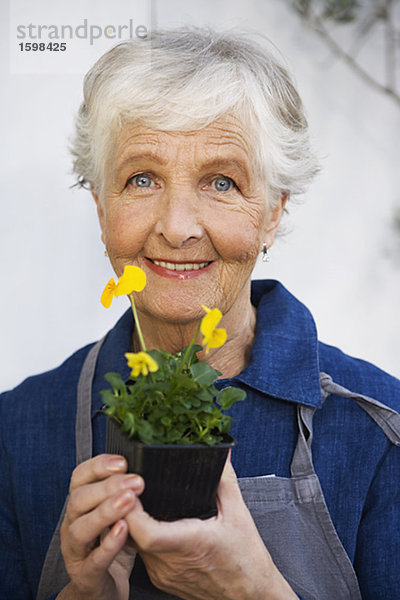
133	279
141	362
214	338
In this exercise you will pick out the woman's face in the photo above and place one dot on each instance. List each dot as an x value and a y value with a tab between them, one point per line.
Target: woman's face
188	209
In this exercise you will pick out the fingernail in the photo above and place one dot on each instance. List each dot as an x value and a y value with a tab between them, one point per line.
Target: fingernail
115	464
124	499
118	528
131	481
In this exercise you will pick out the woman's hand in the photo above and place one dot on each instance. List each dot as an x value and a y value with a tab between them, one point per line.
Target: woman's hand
94	532
222	558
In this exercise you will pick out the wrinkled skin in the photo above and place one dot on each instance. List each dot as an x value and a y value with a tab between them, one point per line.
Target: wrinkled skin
222	558
101	494
189	198
176	198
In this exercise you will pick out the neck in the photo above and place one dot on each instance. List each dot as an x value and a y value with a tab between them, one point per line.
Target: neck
230	359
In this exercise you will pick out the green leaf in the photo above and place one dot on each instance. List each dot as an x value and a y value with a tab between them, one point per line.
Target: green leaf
175	436
116	381
172	405
145	431
203	374
192	357
205	394
108	397
228	396
183	381
212	439
129	422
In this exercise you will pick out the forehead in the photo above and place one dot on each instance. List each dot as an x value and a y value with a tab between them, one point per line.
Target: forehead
225	138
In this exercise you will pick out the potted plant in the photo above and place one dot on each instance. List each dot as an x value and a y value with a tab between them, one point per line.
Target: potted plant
169	419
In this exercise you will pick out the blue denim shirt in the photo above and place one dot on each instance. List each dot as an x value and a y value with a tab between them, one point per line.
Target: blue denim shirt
358	468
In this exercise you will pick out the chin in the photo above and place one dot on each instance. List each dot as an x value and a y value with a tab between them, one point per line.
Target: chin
180	317
174	309
180	304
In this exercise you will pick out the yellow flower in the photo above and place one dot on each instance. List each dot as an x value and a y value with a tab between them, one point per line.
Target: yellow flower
141	362
214	338
133	279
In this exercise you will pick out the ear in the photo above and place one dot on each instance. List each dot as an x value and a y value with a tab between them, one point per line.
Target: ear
100	212
274	219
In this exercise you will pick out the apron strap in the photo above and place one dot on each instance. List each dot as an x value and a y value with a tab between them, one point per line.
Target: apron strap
54	575
386	418
302	463
83	424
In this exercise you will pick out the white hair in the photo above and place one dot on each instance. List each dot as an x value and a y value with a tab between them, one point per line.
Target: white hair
183	80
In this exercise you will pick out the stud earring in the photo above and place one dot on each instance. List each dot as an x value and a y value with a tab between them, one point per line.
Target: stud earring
265	256
105	253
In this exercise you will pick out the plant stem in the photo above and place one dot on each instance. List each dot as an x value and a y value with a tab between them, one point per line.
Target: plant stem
135	316
192	341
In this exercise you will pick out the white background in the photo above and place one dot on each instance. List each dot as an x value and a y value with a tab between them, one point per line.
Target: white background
341	257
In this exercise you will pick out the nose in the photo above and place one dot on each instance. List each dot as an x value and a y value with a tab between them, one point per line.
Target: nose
179	220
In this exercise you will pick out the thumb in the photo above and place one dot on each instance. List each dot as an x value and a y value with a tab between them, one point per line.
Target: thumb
229	495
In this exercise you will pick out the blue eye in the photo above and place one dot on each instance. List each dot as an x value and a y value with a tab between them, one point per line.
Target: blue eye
141	180
223	184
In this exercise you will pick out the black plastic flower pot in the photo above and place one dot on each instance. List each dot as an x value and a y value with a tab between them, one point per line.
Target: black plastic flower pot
181	480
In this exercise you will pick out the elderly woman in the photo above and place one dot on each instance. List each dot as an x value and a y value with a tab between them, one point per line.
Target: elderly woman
192	142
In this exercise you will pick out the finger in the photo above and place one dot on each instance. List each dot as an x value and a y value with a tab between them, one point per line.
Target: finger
150	535
102	557
97	468
86	497
81	535
228	492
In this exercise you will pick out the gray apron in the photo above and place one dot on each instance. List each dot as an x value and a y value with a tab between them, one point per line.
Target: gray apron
291	514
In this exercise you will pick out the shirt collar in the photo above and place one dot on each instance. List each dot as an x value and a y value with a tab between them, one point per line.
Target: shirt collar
284	357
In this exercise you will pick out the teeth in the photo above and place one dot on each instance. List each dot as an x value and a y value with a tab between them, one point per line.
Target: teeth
180	266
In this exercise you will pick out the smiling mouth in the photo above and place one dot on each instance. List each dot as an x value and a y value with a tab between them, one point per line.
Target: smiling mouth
189	266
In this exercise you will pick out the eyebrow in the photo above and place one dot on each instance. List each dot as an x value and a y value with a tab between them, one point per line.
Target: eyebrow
208	164
143	156
224	163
